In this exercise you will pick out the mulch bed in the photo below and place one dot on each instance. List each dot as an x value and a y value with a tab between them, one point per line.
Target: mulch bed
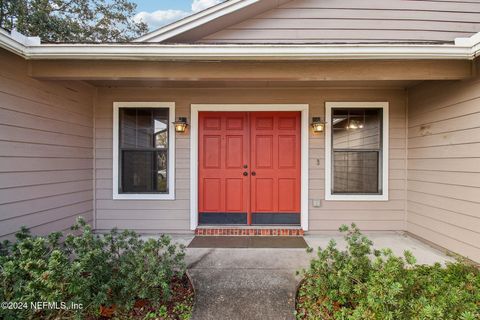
182	293
299	300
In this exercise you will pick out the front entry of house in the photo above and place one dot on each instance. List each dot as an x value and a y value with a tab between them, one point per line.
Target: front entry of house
249	168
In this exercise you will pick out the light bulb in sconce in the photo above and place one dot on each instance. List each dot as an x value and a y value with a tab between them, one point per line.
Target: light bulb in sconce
317	124
181	124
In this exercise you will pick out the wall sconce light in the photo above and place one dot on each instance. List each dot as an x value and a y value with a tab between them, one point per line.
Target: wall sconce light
181	124
317	124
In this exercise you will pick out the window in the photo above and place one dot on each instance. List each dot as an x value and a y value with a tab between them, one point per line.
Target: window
356	151
143	164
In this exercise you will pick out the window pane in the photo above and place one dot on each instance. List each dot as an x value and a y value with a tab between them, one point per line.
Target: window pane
128	128
356	150
355	172
356	128
162	172
144	171
144	128
136	129
142	132
137	168
160	118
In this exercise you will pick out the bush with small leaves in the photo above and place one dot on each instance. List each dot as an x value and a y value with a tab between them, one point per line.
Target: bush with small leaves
114	269
360	283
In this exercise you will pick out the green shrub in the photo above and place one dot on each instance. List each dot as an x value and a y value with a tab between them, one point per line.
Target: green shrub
362	283
117	268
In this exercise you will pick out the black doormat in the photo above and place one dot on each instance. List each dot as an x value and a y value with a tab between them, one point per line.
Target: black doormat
247	242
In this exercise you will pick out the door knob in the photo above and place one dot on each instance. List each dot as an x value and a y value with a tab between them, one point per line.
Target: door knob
254	173
245	173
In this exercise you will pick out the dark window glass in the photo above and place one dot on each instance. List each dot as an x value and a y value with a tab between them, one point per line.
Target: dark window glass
143	150
356	151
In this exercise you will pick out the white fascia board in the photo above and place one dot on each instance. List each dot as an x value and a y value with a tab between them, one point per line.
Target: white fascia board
26	41
468	42
195	20
8	42
246	52
463	50
473	43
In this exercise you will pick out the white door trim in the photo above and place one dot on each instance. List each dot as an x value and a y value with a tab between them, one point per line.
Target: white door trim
196	108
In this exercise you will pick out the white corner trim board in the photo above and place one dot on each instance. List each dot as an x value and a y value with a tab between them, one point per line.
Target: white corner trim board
196	108
171	152
328	151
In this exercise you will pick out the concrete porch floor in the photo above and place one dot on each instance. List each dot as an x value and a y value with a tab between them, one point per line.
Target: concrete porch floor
261	283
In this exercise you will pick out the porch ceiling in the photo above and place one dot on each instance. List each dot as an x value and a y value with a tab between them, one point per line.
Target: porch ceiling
356	70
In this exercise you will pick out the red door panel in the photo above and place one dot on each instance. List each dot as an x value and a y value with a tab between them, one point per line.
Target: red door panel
287	188
212	145
223	151
212	187
275	156
265	187
234	195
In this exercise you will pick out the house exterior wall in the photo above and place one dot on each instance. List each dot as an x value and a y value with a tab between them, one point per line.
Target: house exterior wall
347	21
444	165
173	216
46	151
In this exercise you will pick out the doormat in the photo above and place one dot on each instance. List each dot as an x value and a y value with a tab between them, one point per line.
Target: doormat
247	242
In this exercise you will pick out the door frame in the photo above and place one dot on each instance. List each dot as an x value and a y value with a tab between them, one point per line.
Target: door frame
304	137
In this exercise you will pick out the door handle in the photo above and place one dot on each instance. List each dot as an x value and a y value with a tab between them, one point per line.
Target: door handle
254	173
245	173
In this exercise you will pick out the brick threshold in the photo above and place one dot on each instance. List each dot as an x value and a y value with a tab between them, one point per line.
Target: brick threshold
248	231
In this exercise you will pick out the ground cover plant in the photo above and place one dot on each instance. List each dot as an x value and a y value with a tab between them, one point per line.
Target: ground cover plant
88	276
362	283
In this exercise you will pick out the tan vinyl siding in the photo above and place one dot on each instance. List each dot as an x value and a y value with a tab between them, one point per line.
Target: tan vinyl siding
349	21
174	215
46	151
443	165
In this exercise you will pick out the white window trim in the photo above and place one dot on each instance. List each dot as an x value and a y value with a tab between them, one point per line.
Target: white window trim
328	152
171	152
196	108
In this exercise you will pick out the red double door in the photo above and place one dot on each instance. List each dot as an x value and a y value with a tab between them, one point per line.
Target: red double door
249	168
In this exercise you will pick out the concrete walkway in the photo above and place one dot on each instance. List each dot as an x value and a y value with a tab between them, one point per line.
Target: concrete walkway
249	284
245	283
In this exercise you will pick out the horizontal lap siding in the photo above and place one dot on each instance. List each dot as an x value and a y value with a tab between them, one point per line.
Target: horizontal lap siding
443	165
46	151
145	216
331	21
173	216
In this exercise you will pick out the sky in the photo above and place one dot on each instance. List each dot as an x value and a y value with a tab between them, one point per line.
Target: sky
161	12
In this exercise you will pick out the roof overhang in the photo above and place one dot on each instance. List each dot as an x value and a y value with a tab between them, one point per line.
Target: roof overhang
462	49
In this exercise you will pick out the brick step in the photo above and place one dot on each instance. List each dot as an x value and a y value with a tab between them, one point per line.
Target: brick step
209	231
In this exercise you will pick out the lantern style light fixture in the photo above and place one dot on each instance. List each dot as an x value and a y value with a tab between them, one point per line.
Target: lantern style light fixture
181	124
317	124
